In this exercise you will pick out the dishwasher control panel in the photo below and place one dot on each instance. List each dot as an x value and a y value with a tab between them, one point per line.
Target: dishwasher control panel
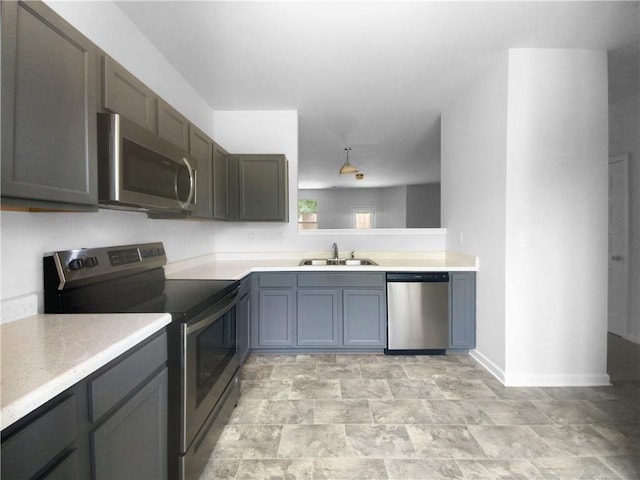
418	277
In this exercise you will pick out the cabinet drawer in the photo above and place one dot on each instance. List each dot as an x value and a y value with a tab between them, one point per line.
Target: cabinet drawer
37	444
67	468
341	279
116	383
277	280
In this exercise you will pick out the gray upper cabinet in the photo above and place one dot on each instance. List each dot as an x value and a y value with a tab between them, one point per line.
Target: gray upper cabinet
263	188
172	126
48	110
250	188
201	149
223	188
123	93
462	298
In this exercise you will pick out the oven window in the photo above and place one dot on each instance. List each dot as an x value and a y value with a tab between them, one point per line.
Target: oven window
216	347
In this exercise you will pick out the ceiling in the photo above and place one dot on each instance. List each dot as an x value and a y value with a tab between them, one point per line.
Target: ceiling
373	76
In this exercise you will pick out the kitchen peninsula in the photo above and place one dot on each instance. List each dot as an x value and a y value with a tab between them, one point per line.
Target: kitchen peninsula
288	307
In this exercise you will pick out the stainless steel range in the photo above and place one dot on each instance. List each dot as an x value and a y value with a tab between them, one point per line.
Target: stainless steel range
203	363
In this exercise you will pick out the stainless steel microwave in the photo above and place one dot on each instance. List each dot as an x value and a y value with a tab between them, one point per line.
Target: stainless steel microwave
138	170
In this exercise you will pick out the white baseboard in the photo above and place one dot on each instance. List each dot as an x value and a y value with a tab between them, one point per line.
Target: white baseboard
539	380
557	380
491	367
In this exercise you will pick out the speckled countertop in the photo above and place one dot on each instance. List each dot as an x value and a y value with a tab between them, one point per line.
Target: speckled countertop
43	355
237	266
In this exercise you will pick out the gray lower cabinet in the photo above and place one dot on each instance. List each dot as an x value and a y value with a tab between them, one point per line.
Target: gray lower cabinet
111	425
331	310
272	314
48	110
243	318
44	440
132	443
276	318
318	320
462	308
364	316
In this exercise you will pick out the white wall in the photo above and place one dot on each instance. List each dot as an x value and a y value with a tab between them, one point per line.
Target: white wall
277	132
474	195
393	213
423	206
556	218
334	205
26	237
107	26
524	186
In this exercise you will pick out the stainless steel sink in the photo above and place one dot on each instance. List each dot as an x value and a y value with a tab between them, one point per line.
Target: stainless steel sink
336	261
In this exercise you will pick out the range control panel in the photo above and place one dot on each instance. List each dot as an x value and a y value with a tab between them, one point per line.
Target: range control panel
90	265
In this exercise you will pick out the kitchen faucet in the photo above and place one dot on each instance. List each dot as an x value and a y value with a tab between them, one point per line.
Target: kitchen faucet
335	250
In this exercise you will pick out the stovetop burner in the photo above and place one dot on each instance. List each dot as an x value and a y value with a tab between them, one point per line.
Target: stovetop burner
124	279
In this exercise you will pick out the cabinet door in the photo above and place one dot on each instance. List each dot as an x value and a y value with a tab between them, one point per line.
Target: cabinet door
172	126
132	443
263	188
48	107
221	184
318	318
243	314
275	325
364	315
201	149
41	441
462	298
125	94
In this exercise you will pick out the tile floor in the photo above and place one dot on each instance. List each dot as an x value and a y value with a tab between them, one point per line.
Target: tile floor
373	416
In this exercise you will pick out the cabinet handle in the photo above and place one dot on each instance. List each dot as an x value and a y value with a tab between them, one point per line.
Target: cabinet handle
617	258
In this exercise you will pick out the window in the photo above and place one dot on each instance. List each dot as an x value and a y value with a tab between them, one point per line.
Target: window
363	218
307	214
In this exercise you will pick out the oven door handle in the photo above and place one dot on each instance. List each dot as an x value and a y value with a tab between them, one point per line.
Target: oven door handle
213	313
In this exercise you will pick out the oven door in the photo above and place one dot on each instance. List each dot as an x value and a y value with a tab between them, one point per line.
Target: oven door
209	361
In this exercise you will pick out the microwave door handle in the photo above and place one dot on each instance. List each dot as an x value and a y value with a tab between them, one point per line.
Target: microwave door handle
192	185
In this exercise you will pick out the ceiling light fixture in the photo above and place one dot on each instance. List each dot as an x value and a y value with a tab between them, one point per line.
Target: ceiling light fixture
347	167
359	176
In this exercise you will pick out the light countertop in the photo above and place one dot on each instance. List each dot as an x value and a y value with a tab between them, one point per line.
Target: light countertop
237	266
43	355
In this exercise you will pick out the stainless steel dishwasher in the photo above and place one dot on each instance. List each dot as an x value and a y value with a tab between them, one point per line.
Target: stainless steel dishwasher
417	313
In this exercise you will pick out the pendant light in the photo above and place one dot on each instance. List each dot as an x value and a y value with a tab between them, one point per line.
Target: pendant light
347	167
